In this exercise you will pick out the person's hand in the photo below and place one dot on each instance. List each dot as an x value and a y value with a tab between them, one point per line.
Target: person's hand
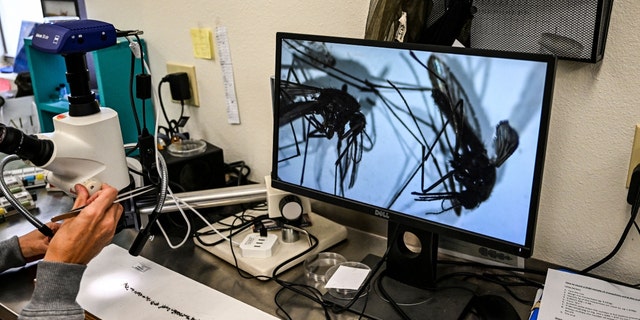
81	238
34	244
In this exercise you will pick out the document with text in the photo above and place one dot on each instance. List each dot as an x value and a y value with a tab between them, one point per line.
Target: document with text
572	296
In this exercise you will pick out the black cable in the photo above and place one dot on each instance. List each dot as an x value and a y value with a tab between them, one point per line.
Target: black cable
235	259
131	99
374	271
164	112
240	170
632	219
143	72
328	305
181	112
233	230
390	300
310	293
301	289
495	279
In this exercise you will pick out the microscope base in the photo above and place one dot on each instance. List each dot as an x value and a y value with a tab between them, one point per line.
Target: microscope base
328	233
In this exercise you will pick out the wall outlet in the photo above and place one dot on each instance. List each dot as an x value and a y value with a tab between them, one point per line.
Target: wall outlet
193	83
635	154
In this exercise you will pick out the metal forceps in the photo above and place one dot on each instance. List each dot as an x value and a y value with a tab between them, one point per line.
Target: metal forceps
121	197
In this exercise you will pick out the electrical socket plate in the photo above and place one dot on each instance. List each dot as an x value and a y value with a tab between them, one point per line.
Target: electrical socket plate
635	154
193	84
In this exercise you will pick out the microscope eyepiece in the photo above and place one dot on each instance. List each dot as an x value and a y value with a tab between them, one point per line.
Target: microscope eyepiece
29	147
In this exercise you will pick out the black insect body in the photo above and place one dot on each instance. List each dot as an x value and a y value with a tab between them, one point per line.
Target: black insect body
329	112
471	176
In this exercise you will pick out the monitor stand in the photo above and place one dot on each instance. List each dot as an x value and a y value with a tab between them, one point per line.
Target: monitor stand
446	303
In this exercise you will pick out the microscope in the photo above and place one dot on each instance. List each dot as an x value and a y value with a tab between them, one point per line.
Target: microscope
86	146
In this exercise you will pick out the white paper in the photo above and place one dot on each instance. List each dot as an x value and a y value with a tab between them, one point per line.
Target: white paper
117	285
347	278
572	296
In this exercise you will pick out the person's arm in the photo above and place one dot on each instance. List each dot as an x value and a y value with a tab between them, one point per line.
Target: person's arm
17	251
10	254
75	243
54	297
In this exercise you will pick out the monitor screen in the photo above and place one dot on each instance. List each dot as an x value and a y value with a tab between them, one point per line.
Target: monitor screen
442	139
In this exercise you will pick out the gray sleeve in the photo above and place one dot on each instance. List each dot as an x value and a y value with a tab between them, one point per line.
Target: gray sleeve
54	296
10	254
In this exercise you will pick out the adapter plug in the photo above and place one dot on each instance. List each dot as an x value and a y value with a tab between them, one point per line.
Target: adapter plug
634	185
179	86
257	246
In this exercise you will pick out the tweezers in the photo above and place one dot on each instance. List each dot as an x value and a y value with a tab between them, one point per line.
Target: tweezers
121	197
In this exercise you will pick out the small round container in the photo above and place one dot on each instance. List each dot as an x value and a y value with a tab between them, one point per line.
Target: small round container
347	294
187	148
317	265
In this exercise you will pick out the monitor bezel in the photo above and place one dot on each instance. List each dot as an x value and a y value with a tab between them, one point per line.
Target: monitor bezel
522	250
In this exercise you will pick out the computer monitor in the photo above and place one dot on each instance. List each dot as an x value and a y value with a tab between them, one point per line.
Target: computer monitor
436	140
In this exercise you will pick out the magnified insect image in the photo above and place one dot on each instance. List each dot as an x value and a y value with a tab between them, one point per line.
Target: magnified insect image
447	137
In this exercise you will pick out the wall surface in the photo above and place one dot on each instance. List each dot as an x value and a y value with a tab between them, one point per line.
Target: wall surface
583	208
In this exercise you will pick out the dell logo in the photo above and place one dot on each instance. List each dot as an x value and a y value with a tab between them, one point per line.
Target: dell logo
381	214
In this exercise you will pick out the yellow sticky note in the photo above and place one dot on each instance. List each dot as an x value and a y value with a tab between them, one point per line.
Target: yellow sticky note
202	44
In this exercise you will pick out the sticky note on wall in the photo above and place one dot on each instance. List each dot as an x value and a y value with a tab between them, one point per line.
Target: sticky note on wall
202	43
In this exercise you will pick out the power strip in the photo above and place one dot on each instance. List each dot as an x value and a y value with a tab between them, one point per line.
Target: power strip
256	246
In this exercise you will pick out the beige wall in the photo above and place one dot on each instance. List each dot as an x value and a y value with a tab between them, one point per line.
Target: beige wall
583	207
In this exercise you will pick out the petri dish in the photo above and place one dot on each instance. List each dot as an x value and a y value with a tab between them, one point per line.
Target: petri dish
187	148
317	265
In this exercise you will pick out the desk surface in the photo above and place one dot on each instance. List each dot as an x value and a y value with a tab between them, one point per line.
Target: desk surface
203	267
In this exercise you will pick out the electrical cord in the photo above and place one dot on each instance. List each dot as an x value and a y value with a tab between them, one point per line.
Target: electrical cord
180	203
315	296
142	71
131	98
239	170
173	128
387	296
304	290
43	228
633	186
145	232
246	222
164	111
233	230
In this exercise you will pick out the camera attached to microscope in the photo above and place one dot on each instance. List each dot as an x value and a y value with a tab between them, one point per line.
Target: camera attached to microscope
86	146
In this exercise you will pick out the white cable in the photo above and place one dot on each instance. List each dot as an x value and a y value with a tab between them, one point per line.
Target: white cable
176	199
187	235
157	155
206	221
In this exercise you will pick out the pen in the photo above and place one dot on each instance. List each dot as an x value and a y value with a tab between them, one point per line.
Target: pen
121	197
536	305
